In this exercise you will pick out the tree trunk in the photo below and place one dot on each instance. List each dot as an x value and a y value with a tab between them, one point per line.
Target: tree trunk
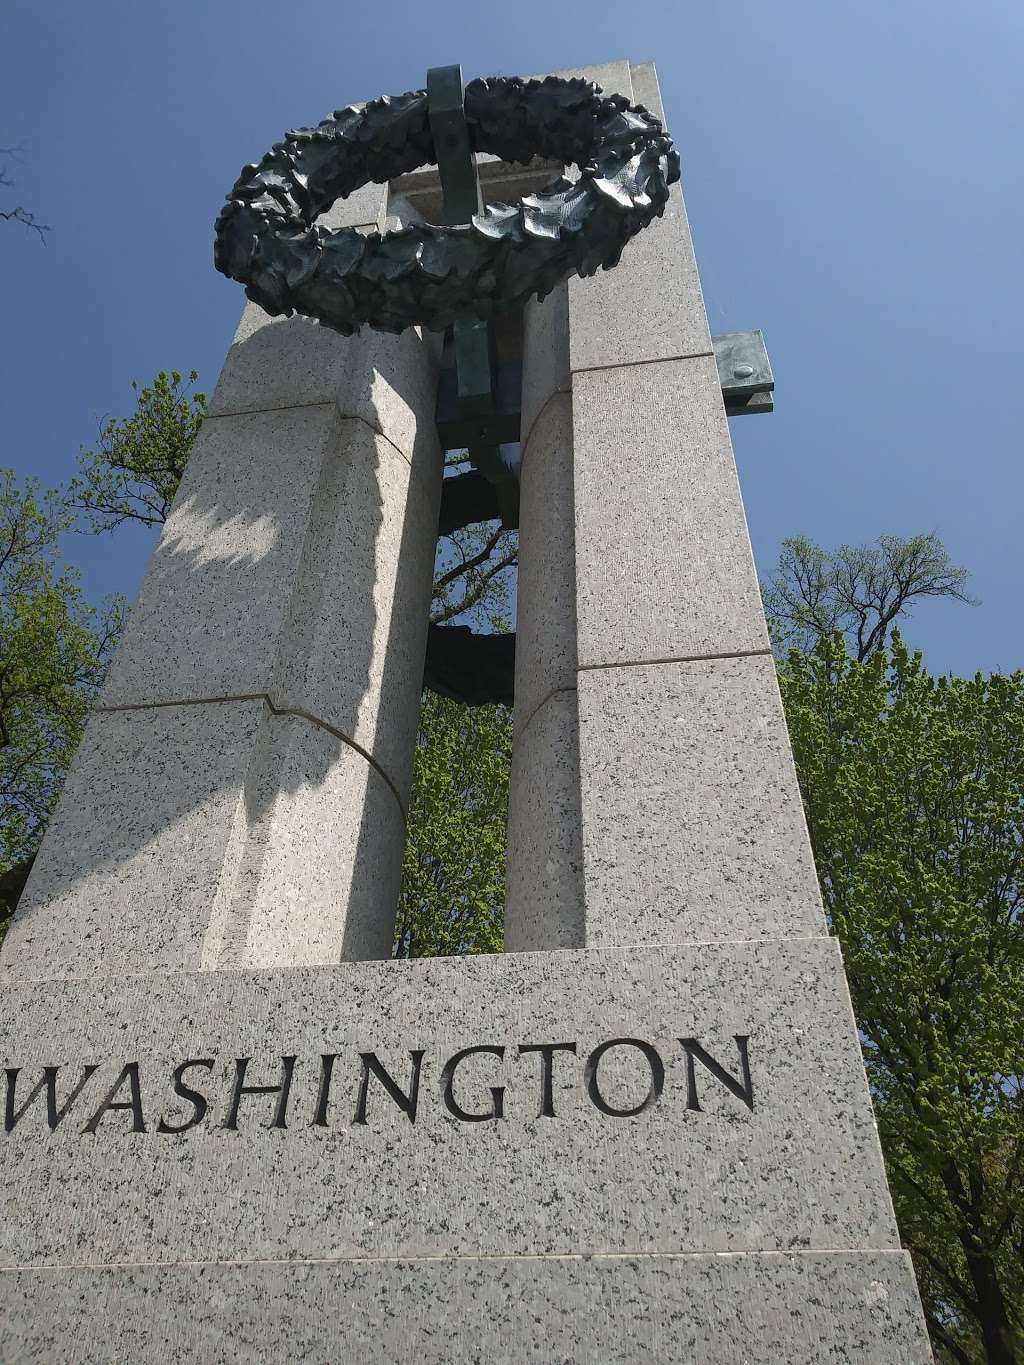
996	1331
12	884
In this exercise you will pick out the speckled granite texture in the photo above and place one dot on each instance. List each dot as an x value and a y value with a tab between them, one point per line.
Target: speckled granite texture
849	1309
801	1170
692	823
238	799
544	882
544	892
226	842
658	268
664	566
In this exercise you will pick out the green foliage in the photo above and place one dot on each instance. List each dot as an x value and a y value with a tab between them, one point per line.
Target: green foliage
453	870
453	874
859	590
134	472
914	792
53	653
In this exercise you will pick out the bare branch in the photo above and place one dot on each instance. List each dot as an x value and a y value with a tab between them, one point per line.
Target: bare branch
21	215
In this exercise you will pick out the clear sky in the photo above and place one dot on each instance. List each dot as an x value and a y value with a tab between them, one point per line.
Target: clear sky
853	175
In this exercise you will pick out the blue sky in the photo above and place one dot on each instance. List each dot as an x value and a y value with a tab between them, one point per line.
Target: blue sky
853	175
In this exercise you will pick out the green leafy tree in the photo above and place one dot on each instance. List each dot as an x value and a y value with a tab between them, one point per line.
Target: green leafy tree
134	471
53	653
914	793
858	590
453	873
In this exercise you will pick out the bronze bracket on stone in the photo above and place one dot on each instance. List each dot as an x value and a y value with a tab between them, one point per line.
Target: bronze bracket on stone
744	372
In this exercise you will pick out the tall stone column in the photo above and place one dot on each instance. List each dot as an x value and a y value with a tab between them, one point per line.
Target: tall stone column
544	902
238	799
640	621
654	799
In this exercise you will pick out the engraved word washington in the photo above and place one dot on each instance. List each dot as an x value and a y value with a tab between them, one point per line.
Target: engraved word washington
468	1097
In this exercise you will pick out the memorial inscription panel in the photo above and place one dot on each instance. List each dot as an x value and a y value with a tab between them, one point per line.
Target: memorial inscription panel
673	1099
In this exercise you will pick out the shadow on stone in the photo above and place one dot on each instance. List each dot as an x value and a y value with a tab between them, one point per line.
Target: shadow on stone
236	800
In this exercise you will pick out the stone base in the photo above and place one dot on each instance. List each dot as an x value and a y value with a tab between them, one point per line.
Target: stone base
754	1309
662	1153
702	1097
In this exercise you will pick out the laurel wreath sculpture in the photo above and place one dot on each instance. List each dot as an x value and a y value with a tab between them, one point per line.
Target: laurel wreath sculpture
429	276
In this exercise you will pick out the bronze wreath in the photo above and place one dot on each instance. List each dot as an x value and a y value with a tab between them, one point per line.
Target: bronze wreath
427	275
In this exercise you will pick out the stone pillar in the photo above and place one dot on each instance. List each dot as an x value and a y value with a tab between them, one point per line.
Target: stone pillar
643	659
637	574
238	800
544	903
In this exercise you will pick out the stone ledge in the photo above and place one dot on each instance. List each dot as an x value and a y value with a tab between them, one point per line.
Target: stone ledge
762	1309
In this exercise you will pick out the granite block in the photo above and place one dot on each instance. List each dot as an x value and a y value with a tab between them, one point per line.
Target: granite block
317	872
656	280
614	78
646	90
693	828
296	563
216	593
364	207
544	896
389	382
216	835
649	307
664	566
786	1158
135	852
351	651
546	594
858	1308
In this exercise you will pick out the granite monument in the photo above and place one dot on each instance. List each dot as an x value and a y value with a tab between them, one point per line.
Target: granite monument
233	1128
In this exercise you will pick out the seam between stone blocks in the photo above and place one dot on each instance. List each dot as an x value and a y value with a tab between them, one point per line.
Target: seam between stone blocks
344	416
555	691
679	659
295	711
400	964
525	445
593	369
441	1258
650	360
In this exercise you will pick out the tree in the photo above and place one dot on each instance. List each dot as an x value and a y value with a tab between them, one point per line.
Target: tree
914	793
453	871
859	590
134	471
19	214
53	654
475	568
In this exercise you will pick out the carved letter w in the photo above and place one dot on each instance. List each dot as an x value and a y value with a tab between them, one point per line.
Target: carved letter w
49	1082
